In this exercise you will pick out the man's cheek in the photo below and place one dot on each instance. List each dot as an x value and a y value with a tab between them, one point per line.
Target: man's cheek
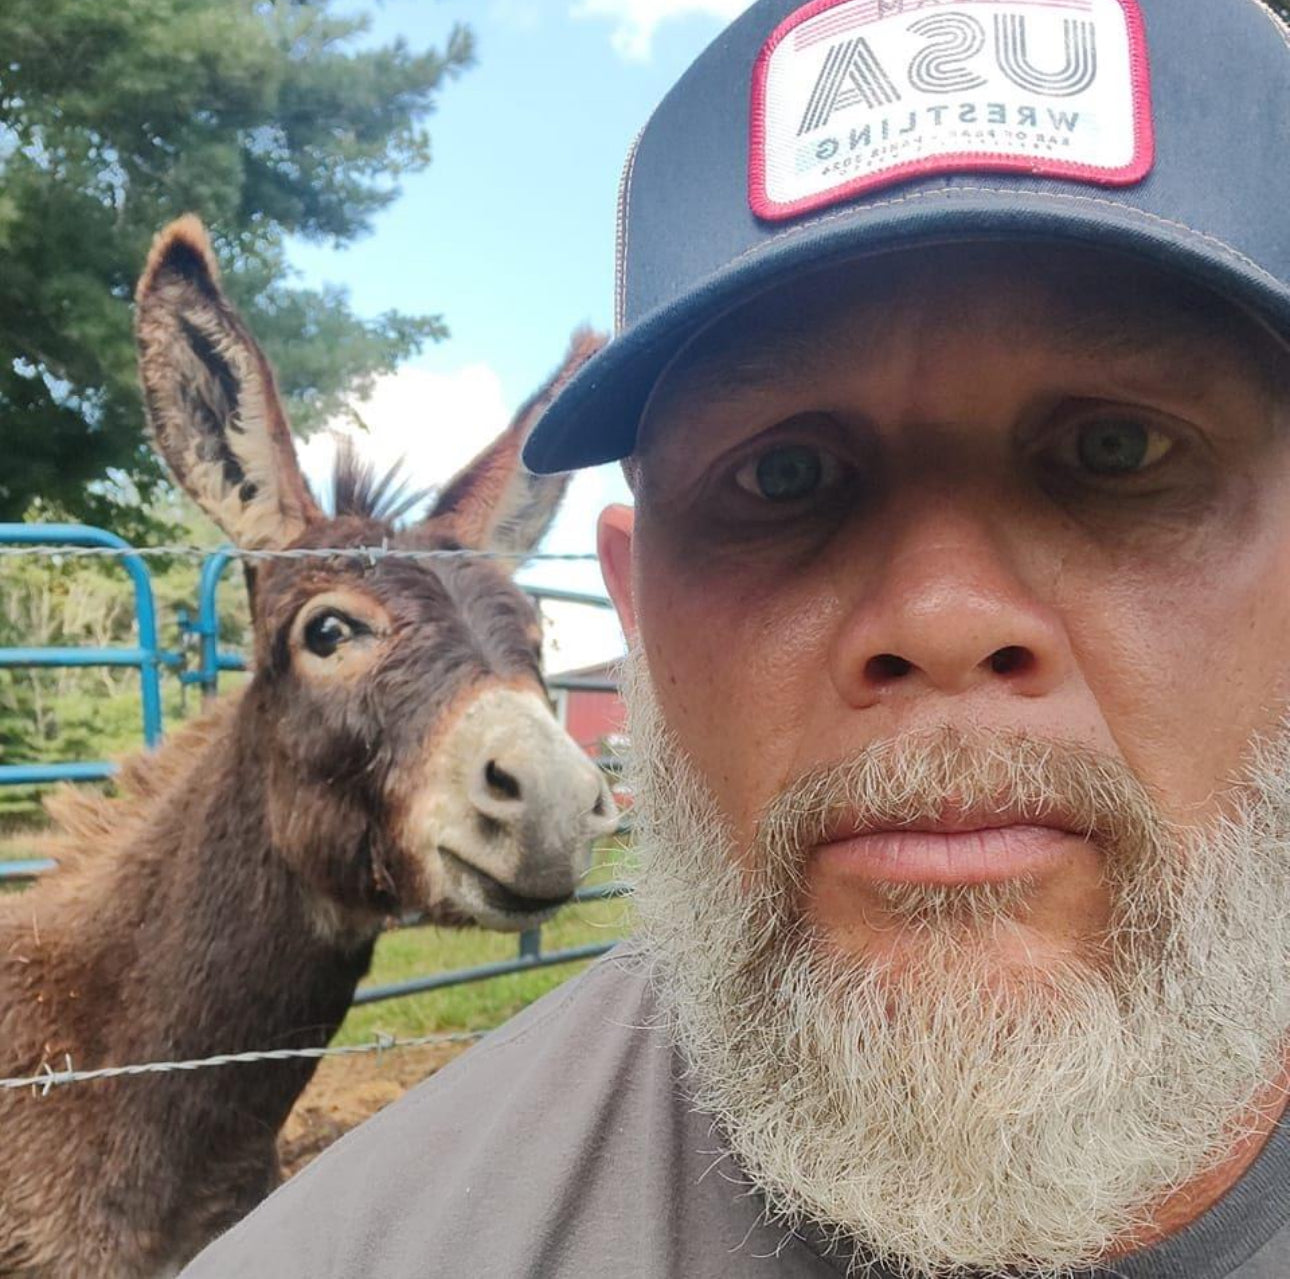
741	693
709	715
1192	656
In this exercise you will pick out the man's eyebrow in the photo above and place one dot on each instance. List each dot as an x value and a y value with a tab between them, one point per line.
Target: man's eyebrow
1131	331
733	370
1182	341
1128	332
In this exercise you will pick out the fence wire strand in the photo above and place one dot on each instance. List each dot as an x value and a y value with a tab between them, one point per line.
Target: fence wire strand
49	1078
369	554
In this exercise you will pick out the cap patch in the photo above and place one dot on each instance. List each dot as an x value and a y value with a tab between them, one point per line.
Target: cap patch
850	96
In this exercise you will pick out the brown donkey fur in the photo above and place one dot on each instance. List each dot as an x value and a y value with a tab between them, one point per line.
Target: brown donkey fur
393	751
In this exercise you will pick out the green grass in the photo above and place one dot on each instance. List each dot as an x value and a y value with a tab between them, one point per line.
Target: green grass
18	843
21	824
478	1005
414	952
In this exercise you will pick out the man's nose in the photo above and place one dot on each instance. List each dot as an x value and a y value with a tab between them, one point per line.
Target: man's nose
947	609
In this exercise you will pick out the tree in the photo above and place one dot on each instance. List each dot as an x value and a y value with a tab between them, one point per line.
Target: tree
268	118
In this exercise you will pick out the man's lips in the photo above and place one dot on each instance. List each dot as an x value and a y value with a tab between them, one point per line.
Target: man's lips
960	849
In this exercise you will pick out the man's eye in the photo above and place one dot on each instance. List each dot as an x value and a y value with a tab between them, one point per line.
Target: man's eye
788	473
1119	446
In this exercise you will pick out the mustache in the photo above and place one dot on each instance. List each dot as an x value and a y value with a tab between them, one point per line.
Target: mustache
960	776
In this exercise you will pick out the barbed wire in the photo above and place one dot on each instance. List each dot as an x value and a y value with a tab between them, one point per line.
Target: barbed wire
50	1078
371	554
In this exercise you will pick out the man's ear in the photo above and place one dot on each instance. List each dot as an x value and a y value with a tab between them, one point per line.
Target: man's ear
212	405
493	503
614	545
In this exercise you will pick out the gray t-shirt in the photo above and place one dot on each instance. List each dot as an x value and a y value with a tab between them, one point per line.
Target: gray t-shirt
563	1145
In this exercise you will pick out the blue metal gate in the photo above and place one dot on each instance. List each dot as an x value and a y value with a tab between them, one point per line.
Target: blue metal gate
147	657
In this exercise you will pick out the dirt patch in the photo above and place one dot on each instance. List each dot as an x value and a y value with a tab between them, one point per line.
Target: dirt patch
347	1090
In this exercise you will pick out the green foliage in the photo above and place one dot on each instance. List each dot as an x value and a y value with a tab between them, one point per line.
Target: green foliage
58	715
263	117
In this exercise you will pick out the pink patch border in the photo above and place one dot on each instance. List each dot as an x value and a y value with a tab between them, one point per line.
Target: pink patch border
769	210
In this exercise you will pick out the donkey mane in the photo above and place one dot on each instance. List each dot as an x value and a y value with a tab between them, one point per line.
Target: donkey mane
358	490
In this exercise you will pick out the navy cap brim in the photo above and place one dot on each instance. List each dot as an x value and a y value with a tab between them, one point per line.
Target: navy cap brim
596	417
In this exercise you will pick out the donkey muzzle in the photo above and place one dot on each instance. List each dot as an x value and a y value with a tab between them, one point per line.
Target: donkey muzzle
510	812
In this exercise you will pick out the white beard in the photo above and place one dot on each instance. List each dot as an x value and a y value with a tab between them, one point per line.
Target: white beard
958	1114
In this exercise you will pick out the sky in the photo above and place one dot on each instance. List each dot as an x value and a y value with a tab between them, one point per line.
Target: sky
509	234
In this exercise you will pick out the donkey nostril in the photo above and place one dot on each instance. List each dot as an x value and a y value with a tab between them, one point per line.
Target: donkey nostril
887	666
501	784
598	809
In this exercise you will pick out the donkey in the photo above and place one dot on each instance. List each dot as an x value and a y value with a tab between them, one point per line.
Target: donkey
394	751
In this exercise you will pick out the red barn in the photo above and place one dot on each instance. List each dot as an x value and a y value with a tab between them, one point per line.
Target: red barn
593	716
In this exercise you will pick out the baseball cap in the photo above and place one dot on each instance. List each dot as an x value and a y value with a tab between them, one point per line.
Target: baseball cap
811	133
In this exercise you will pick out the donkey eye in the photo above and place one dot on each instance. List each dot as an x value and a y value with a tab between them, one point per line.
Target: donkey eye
325	633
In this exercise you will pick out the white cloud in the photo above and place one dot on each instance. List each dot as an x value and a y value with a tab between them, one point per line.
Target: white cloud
636	21
435	423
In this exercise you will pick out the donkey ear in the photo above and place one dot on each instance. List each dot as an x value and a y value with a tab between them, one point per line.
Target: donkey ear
494	503
212	405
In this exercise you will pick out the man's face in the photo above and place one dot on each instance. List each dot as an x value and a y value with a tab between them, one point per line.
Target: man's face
958	586
1020	491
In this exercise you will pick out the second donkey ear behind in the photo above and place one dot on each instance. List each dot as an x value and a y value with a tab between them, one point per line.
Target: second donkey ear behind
216	418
